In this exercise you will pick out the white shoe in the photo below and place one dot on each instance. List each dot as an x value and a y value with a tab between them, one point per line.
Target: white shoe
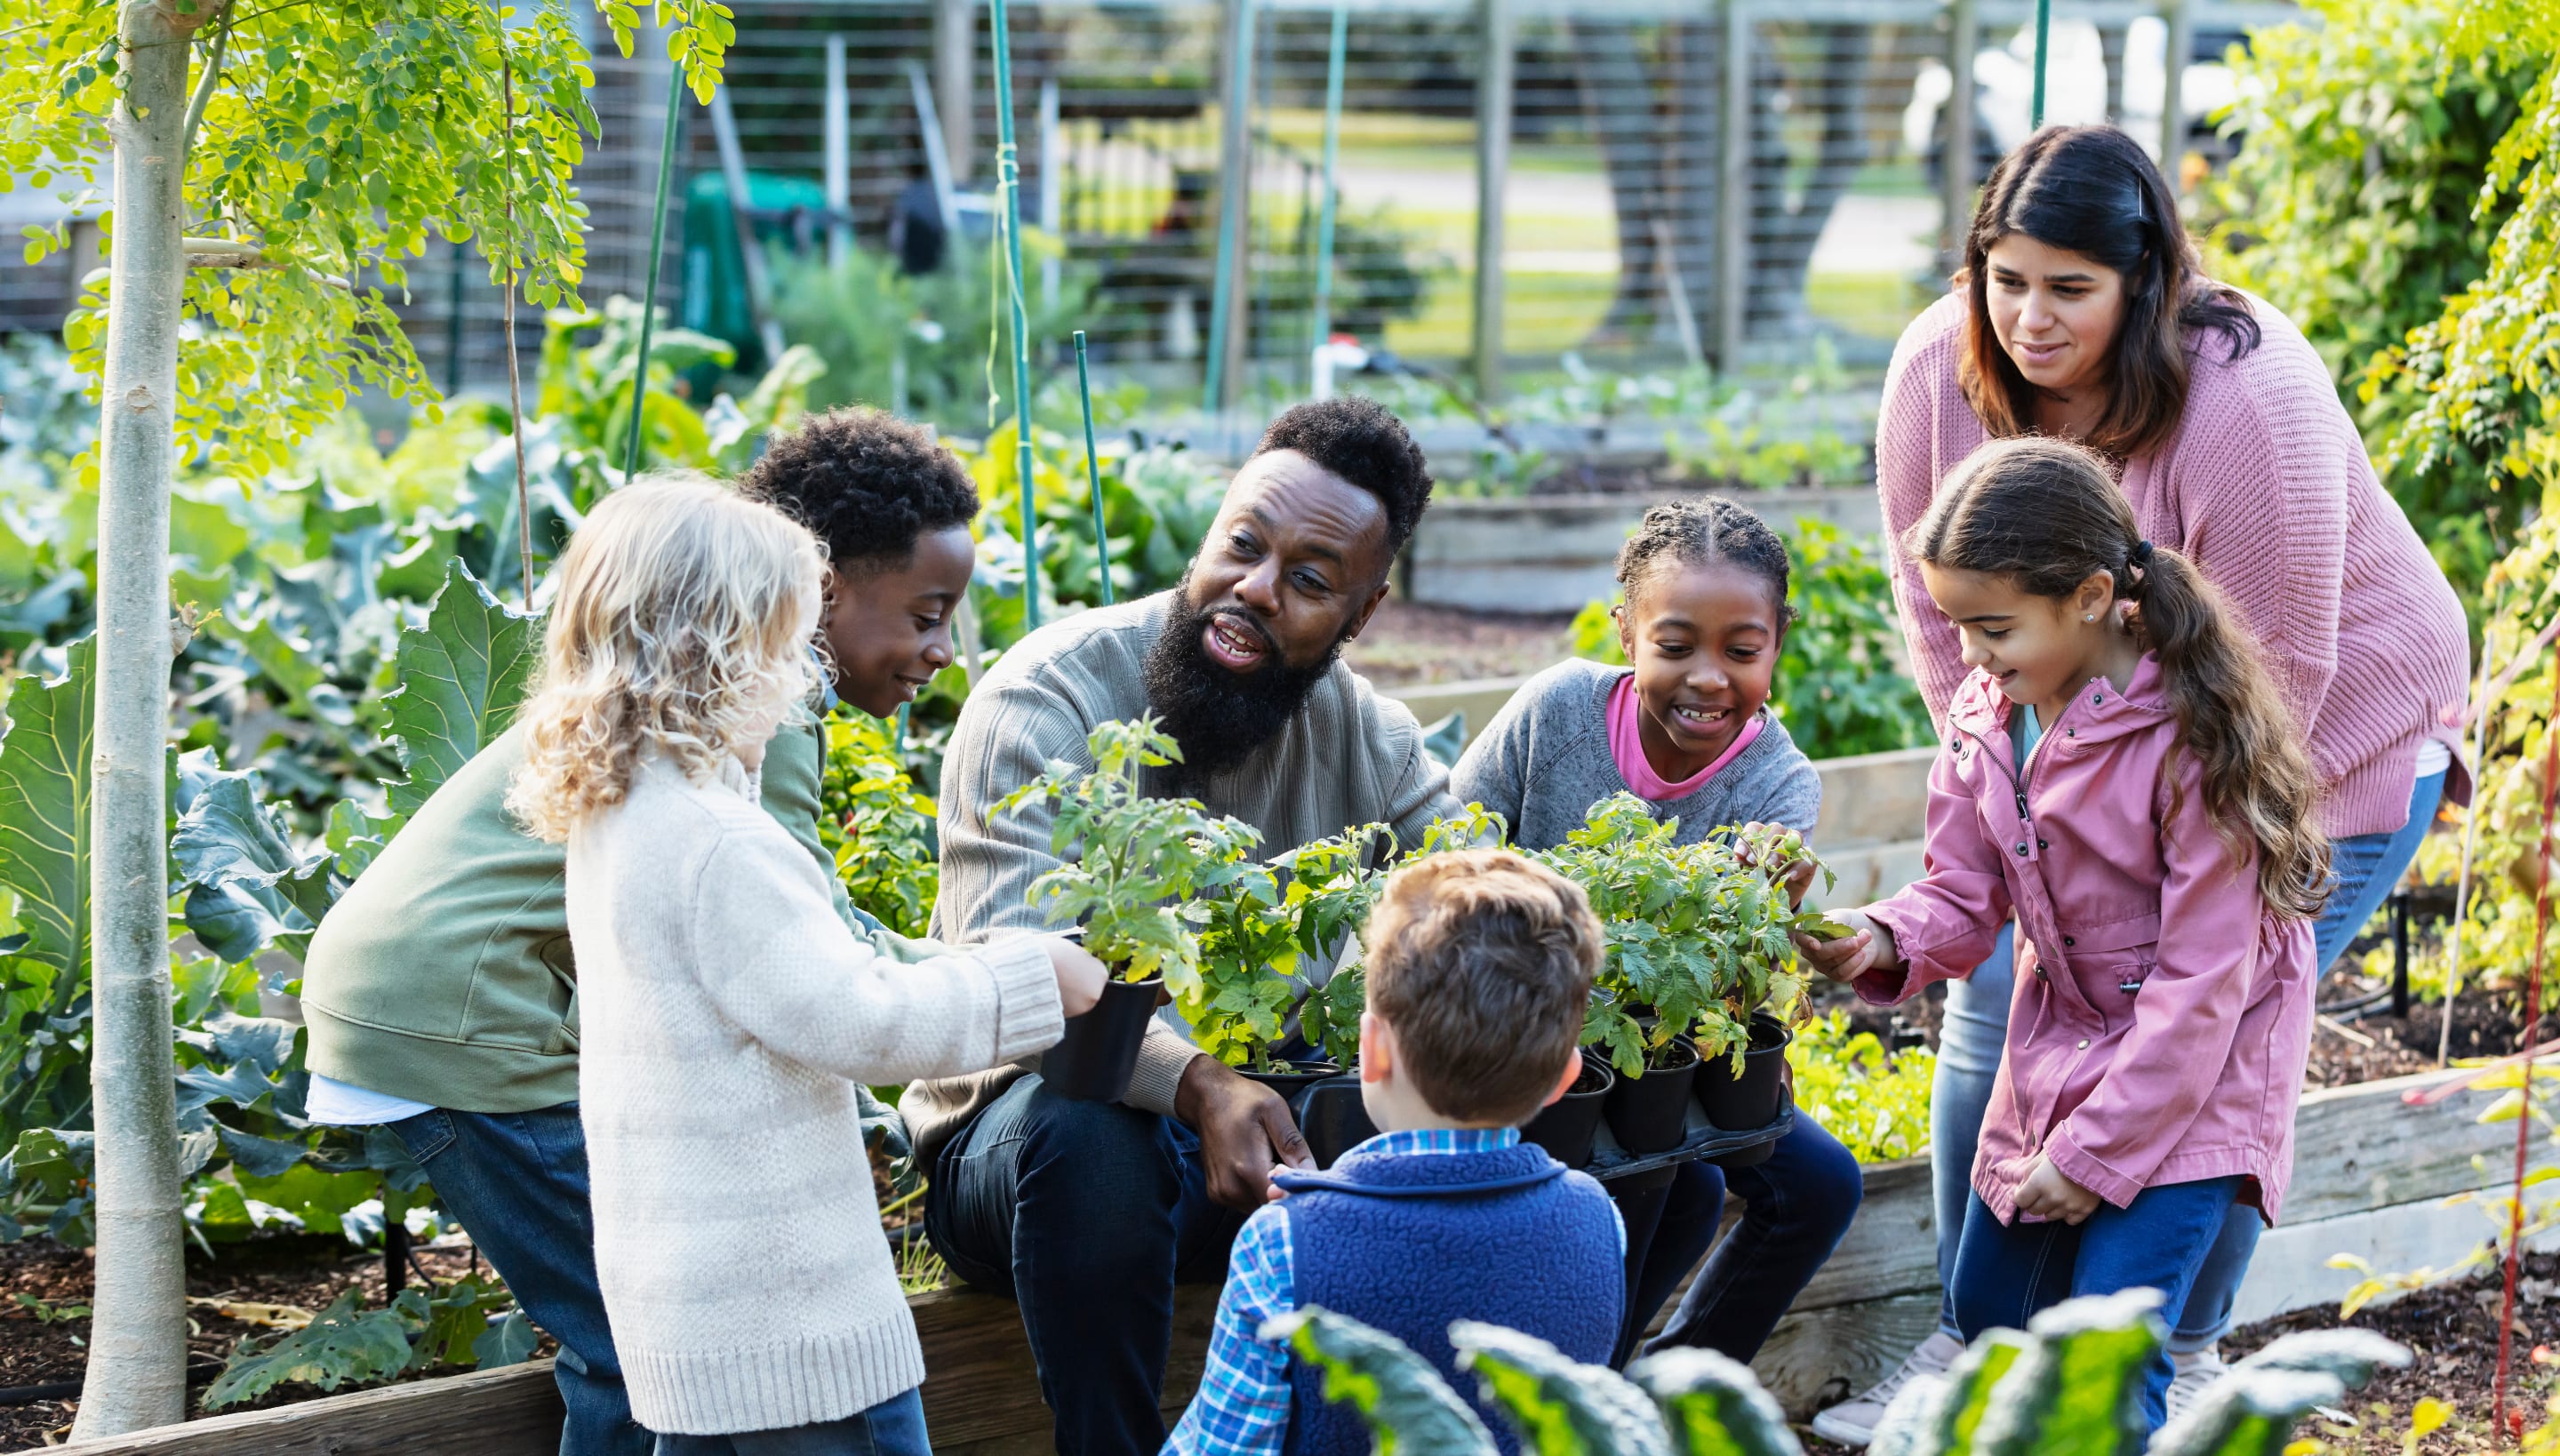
1853	1422
2193	1374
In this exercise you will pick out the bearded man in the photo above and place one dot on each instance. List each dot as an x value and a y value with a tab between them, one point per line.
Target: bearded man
1088	1213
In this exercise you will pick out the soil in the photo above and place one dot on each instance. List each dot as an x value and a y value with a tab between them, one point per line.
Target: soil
1407	643
2452	1333
43	1344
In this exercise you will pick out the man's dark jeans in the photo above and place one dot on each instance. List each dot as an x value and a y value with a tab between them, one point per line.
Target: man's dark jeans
1797	1207
518	1182
1087	1214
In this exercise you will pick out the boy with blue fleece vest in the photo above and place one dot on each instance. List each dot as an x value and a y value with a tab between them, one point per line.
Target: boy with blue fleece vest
1478	967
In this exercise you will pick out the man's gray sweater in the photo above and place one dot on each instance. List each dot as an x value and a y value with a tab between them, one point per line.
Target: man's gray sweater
1544	760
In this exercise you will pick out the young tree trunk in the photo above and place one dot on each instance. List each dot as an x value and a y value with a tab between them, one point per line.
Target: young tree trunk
137	1360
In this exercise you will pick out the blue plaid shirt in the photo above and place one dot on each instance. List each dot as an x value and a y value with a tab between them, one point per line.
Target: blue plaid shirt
1242	1409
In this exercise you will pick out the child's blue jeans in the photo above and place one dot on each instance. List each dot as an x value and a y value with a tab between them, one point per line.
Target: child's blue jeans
2004	1274
895	1428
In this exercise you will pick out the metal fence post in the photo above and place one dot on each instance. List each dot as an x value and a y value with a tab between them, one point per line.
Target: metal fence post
955	36
1956	174
2180	43
1733	188
839	157
1230	297
1493	168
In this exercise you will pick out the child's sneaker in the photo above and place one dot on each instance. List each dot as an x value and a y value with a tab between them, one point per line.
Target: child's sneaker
2192	1373
1853	1422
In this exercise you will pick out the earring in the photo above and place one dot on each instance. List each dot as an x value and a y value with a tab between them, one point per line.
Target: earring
2088	616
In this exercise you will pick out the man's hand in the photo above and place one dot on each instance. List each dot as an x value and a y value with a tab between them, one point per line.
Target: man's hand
1244	1129
2048	1193
1868	947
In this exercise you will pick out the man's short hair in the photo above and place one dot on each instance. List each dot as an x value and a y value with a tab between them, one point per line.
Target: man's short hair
1358	440
865	483
1482	960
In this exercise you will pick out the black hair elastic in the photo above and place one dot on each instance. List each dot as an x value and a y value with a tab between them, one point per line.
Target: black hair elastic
2141	556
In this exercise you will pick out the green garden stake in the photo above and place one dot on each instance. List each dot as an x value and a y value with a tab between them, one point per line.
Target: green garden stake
898	728
1221	294
1333	160
1008	180
1092	468
2044	34
657	251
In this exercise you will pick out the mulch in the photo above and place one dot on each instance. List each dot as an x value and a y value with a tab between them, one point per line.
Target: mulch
2452	1333
41	1345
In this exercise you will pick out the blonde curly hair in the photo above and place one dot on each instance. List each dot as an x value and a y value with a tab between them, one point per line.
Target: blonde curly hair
681	626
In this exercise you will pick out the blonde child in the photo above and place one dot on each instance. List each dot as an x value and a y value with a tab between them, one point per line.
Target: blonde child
2120	775
728	1015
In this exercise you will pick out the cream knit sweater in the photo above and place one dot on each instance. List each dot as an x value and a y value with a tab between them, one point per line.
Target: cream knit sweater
727	1017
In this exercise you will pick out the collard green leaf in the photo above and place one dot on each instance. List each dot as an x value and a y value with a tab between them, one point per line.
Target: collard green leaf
343	1344
43	811
509	1342
1938	1414
245	887
2076	1389
462	677
1409	1410
1559	1407
1712	1405
2252	1411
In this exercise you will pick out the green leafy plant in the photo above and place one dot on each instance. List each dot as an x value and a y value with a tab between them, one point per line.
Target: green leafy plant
1137	862
347	1345
1876	1101
878	824
2070	1382
1697	933
1274	941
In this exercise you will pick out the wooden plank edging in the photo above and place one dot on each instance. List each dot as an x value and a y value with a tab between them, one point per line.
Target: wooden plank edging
2371	1173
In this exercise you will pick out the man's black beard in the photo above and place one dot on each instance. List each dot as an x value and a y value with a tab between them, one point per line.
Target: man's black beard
1220	717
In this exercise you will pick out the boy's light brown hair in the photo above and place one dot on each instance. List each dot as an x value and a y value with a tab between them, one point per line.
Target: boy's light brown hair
1482	960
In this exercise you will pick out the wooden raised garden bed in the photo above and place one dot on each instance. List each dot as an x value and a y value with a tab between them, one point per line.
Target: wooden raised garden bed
1553	554
2370	1176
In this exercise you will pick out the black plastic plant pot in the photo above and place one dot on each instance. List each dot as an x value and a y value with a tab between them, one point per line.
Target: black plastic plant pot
1566	1126
1647	1111
1740	1103
1333	1118
1098	1054
1292	1079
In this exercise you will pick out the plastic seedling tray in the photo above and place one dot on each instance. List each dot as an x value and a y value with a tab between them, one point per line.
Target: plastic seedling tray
1704	1140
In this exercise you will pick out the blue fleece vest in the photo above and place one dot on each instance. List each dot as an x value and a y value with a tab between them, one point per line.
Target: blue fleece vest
1407	1242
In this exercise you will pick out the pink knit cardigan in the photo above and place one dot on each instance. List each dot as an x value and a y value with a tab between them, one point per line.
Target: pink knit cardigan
2268	489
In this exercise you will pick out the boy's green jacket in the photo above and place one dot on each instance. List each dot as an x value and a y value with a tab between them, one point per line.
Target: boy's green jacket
444	974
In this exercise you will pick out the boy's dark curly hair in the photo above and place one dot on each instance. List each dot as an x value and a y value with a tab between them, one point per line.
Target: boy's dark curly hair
1363	443
866	482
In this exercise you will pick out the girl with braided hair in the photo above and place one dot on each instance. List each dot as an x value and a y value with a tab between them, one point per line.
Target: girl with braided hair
1687	728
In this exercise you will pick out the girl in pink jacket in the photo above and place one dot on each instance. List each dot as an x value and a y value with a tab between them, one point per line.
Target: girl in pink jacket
2122	775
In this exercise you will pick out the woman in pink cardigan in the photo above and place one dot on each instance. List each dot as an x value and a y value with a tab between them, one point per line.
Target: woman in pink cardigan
2081	313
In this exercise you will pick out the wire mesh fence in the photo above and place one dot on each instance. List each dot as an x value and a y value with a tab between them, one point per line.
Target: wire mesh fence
1722	181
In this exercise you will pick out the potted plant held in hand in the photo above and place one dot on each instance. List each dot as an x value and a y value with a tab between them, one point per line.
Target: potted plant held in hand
1133	867
1743	1037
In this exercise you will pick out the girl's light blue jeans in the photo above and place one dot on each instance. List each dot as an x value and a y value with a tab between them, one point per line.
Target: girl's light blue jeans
1975	1029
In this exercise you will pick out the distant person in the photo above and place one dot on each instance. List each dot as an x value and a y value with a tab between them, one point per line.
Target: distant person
1688	730
440	991
2123	777
1479	963
1089	1212
2081	313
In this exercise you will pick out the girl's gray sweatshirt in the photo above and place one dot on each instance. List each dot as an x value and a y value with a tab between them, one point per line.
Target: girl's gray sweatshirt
1544	760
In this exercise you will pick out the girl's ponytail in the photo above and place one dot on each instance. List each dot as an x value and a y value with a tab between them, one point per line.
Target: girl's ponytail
2047	516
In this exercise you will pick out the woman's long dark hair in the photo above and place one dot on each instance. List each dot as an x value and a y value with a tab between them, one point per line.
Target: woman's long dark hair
2092	190
2045	516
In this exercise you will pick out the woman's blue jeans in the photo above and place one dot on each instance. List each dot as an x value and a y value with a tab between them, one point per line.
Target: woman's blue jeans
2007	1272
1975	1031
